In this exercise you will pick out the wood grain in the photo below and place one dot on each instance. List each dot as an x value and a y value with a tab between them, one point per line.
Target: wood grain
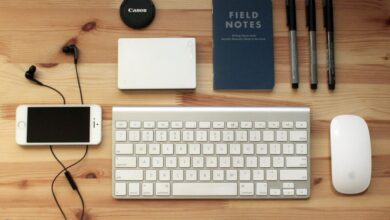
33	32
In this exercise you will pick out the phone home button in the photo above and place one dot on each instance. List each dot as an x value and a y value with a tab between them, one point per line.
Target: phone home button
22	124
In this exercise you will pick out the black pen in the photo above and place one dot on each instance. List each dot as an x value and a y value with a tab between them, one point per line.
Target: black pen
329	27
311	25
292	25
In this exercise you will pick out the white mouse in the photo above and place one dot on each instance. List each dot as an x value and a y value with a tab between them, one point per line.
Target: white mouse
351	154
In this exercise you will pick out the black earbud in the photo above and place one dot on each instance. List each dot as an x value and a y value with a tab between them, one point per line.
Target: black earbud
72	49
30	75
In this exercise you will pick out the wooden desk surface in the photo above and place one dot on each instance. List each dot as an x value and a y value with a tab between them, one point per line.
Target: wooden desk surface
33	32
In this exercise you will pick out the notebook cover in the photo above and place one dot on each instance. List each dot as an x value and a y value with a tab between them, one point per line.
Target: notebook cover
243	44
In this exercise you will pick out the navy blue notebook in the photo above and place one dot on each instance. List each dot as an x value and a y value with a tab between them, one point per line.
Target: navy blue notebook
243	44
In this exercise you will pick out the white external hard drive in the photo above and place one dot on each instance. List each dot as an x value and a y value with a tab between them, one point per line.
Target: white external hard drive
156	63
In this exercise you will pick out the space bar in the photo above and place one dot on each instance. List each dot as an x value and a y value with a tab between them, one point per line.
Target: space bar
204	189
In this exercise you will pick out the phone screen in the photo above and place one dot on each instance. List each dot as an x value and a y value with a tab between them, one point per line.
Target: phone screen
58	125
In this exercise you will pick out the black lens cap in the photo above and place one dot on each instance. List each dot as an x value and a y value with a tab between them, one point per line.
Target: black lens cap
137	14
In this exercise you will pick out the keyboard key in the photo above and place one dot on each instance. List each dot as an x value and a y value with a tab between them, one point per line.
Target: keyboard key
174	135
301	192
147	189
254	136
218	124
122	149
272	174
301	149
163	124
181	149
288	192
221	149
224	162
274	192
129	175
197	162
273	124
190	124
265	162
194	149
204	125
120	136
296	162
188	136
278	162
268	136
147	136
204	175
235	149
167	149
298	136
144	162
134	136
201	136
232	125
238	161
261	189
204	189
121	124
261	149
274	148
287	124
231	175
123	162
154	149
288	148
135	124
258	175
251	162
120	189
177	124
288	185
245	175
164	175
157	162
149	124
184	162
211	162
246	124
170	162
140	149
260	124
134	189
215	136
246	189
241	136
163	189
218	175
281	136
228	136
293	174
208	149
301	124
178	175
151	175
248	149
191	175
161	136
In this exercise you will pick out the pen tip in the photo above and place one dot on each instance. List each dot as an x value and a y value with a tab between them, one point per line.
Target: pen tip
295	85
313	86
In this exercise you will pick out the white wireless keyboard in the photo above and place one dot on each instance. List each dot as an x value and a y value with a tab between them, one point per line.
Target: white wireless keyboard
211	153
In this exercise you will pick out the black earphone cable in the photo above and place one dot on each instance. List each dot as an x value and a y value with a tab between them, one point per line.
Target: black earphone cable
65	169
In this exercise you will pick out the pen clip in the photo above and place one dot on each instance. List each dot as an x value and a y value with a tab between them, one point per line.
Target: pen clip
288	12
324	7
307	12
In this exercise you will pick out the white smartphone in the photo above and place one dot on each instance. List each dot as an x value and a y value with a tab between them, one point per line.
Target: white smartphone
58	125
